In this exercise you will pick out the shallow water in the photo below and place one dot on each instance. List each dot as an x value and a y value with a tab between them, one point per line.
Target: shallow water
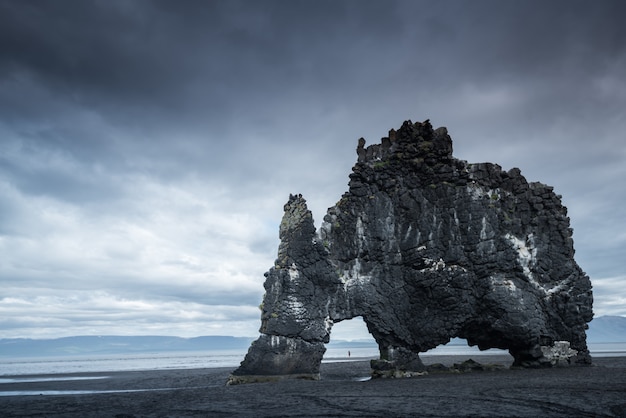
49	379
223	358
120	362
67	392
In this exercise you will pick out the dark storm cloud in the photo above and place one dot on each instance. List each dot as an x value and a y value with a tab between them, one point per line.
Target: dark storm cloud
155	54
146	51
89	49
217	65
150	145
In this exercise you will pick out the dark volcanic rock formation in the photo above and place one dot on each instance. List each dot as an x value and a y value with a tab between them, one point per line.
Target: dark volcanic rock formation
424	247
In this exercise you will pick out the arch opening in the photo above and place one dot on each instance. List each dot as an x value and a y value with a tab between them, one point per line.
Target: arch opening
350	340
458	350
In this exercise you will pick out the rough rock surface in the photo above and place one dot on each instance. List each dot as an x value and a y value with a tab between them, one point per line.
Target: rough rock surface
424	247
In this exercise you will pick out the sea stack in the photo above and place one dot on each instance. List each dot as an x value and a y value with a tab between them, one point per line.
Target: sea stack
424	247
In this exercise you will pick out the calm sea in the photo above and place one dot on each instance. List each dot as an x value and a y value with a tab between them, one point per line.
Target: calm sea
224	358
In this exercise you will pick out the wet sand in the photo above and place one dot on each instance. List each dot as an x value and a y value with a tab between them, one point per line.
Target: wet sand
590	391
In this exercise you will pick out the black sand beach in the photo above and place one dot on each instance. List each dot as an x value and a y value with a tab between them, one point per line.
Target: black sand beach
593	391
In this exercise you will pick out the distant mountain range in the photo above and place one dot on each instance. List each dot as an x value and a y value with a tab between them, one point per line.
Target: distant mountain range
604	329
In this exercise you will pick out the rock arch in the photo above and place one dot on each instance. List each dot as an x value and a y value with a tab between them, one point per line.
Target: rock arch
424	247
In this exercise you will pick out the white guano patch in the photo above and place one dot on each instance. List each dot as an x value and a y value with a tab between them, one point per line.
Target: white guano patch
439	265
434	265
295	307
475	192
506	283
479	193
527	257
526	252
353	276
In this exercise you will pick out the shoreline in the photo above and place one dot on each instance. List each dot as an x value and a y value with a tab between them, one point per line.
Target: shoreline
12	366
343	390
446	359
341	364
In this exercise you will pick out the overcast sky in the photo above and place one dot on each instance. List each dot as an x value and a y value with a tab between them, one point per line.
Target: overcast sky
147	147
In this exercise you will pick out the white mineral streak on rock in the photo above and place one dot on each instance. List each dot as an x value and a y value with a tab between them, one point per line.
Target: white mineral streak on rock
408	233
389	236
360	234
328	324
294	274
483	229
274	341
560	352
389	228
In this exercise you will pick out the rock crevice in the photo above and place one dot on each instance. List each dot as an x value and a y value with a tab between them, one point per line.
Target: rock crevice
424	247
